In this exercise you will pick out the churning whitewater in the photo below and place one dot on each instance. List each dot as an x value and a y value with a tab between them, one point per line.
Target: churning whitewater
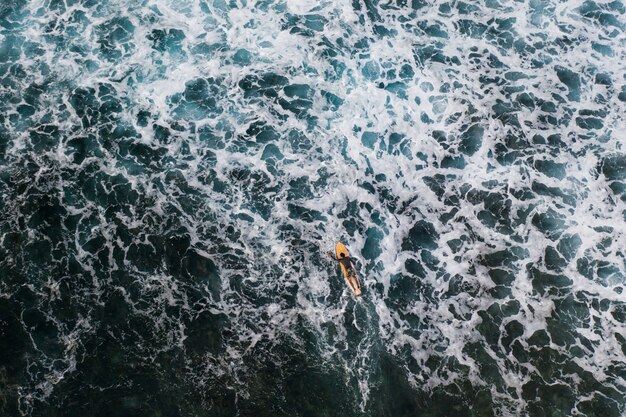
172	172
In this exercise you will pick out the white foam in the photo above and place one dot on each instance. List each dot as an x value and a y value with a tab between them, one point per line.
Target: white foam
271	255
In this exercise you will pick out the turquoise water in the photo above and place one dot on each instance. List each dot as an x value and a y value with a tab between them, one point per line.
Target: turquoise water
172	171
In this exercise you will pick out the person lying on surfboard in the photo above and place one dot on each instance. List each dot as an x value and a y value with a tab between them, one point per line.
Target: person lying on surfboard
346	261
348	269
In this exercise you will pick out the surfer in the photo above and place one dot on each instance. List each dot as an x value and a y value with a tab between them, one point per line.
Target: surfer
348	269
346	261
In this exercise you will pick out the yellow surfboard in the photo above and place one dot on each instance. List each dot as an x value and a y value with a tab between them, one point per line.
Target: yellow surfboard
350	276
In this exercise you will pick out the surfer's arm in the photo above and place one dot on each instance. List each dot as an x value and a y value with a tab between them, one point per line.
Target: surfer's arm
331	255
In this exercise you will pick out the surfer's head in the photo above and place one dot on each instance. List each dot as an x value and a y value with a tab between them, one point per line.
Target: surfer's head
342	255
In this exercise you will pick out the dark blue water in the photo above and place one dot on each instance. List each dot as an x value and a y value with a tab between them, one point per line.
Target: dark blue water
171	173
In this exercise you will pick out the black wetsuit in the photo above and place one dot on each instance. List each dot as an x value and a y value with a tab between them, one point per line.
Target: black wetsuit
346	261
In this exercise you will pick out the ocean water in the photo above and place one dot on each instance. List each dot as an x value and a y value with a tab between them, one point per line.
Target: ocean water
171	172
